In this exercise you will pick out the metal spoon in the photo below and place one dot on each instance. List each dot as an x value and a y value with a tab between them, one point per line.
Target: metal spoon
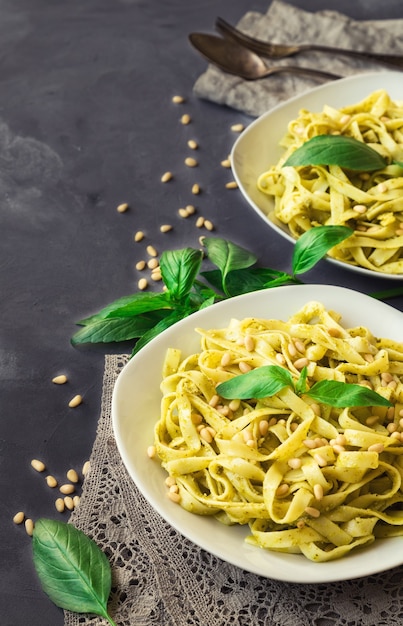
235	59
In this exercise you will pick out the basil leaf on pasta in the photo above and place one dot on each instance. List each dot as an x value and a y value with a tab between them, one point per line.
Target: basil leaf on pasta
315	243
341	150
258	383
341	395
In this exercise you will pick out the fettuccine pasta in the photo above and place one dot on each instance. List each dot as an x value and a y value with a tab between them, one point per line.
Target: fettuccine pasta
369	203
306	477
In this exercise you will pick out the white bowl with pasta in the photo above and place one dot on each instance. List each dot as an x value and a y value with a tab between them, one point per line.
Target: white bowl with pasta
136	409
258	149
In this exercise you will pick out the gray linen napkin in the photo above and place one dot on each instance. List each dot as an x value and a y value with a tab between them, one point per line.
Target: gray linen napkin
287	24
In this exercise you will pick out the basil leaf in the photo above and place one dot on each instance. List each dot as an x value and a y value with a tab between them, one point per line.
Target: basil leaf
73	571
247	280
117	328
227	256
338	150
341	395
179	269
165	323
261	382
131	305
312	246
300	385
387	293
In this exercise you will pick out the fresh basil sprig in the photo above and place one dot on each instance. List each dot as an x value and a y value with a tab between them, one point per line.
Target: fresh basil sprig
268	380
72	569
340	150
142	316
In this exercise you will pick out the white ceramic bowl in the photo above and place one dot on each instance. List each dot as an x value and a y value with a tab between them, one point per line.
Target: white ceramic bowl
257	148
136	406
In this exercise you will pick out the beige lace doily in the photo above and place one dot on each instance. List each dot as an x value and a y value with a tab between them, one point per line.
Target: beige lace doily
162	579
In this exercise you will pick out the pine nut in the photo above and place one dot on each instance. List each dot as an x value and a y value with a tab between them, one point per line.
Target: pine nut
68	503
170	480
226	359
391	428
310	510
251	443
196	418
200	222
280	358
231	185
59	504
174	489
337	448
300	346
139	236
151	452
382	188
234	405
152	251
183	213
142	284
72	476
29	527
156	275
175	497
294	463
19	517
237	128
193	145
165	228
60	380
206	435
153	263
185	119
51	481
387	377
226	163
67	489
249	343
76	401
39	466
282	490
315	408
214	400
360	208
321	461
208	225
300	363
318	491
76	501
122	208
333	331
292	350
247	434
178	99
345	119
86	468
140	265
341	439
263	427
376	447
165	178
190	209
244	367
190	162
196	189
372	420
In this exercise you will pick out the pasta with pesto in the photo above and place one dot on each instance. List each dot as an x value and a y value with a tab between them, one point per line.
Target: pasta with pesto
305	477
371	203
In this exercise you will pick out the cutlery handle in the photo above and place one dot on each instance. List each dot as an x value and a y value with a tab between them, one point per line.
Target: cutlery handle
390	59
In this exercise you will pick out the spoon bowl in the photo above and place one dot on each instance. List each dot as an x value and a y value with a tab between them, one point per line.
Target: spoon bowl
233	58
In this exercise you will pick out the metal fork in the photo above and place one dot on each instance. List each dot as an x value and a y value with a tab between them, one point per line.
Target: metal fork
280	51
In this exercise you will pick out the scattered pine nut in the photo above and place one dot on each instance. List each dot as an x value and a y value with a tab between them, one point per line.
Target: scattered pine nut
165	228
190	162
60	380
152	251
122	208
51	481
72	476
185	119
175	497
151	452
29	527
226	163
200	222
190	209
232	185
139	236
153	263
76	500
68	503
76	401
183	213
59	504
170	480
156	276
142	284
86	468
19	517
208	225
178	99
140	265
193	145
237	128
67	489
39	466
196	189
166	177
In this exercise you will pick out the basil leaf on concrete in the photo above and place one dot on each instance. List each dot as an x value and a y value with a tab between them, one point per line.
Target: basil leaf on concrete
338	394
179	269
314	244
118	328
340	150
227	256
261	382
73	571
